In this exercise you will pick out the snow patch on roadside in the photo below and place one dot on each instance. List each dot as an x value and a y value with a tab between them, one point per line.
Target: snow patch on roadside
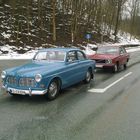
7	52
133	49
28	55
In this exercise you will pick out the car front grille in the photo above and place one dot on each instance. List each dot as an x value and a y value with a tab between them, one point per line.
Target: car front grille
100	61
21	82
11	80
26	82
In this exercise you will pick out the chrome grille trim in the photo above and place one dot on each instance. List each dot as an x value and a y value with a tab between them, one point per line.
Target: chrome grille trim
11	80
26	82
21	82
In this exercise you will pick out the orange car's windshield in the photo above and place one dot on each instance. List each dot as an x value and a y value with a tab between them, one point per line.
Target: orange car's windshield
107	50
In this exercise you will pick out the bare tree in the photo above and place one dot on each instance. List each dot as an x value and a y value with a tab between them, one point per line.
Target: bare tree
54	20
134	13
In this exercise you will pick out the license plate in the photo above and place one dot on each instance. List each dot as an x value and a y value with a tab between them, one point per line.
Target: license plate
15	91
99	66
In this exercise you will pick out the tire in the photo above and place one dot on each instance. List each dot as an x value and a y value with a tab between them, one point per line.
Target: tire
125	65
116	68
53	89
88	76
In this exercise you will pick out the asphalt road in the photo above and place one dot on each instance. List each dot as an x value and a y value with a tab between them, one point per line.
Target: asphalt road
80	112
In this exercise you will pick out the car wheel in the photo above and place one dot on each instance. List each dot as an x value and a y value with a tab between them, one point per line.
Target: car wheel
115	68
125	65
53	89
88	76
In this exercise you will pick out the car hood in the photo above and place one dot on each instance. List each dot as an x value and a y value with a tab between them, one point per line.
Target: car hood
103	56
31	69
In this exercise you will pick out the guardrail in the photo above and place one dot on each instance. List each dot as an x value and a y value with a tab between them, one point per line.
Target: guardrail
121	44
128	44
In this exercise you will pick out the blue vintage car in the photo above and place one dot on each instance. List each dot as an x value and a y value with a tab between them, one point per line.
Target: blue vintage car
50	71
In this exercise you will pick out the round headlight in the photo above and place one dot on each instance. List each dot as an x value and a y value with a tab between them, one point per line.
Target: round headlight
109	61
3	74
38	77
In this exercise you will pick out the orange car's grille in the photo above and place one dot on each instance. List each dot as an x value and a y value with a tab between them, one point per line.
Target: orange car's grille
100	61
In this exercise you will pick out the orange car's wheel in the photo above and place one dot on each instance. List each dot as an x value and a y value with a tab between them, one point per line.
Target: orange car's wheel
125	65
115	68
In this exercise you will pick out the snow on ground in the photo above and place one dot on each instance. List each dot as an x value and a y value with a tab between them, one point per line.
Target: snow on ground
7	52
88	49
30	54
124	37
133	49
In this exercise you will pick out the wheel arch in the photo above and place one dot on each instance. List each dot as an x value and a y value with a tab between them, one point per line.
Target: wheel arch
117	62
58	79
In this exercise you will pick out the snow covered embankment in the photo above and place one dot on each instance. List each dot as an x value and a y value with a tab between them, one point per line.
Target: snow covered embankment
30	54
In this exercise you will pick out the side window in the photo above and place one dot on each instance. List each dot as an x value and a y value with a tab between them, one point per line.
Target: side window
41	56
122	51
71	56
81	56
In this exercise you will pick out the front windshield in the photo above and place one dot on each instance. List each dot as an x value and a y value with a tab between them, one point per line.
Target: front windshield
107	50
50	56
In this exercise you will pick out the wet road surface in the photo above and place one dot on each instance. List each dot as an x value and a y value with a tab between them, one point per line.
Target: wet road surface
76	114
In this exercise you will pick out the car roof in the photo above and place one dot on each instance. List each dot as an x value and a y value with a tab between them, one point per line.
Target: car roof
59	49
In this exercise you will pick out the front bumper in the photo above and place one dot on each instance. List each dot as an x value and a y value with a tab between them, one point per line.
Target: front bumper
29	92
103	65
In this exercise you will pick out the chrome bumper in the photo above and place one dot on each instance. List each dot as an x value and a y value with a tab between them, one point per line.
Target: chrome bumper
29	92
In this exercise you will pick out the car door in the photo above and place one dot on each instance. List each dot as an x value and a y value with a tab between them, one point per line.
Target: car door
71	74
123	55
83	64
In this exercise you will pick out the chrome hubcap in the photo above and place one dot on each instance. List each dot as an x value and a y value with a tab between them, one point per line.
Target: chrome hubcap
115	68
53	89
88	76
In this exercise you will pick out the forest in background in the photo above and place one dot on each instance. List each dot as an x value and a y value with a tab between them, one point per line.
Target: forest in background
61	22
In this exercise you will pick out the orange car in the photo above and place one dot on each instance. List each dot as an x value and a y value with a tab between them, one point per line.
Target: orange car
111	57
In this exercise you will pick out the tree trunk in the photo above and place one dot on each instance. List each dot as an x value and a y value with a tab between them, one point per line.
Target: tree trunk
117	18
54	21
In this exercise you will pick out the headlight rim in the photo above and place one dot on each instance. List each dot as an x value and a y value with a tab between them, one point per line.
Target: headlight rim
3	74
38	78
